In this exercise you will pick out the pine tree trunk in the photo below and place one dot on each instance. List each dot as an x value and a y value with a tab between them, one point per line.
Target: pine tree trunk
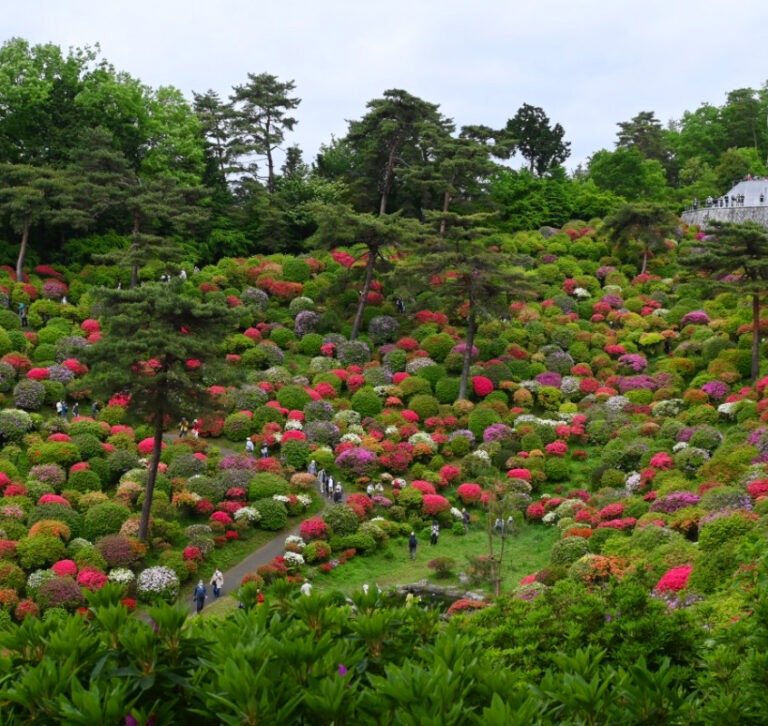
149	491
135	246
22	251
755	336
645	260
467	362
372	252
388	174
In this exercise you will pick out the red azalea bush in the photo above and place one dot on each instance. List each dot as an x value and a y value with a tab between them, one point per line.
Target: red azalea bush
64	568
26	608
221	518
449	473
674	580
535	512
482	386
557	448
53	499
661	460
758	488
360	504
313	528
464	605
434	504
469	493
425	487
611	511
7	549
621	524
38	374
523	474
91	579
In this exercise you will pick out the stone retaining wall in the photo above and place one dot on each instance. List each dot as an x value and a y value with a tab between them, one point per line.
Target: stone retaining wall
705	215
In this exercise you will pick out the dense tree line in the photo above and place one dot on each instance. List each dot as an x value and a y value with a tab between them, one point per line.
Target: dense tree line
93	161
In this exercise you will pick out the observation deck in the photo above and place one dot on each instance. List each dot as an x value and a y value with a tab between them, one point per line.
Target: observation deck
746	201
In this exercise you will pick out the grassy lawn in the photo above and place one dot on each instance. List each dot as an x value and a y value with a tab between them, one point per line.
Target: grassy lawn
523	555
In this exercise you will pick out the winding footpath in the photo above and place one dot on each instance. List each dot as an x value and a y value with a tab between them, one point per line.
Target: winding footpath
259	557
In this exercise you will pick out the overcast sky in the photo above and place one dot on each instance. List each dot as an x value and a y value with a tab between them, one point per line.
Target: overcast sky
588	63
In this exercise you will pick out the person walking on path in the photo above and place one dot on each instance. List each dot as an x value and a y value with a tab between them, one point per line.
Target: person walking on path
435	533
312	469
196	429
306	588
330	483
322	478
183	427
264	450
217	582
412	542
200	593
337	494
75	409
249	446
465	520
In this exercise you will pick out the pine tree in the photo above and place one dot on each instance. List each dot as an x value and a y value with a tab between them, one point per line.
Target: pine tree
160	346
735	258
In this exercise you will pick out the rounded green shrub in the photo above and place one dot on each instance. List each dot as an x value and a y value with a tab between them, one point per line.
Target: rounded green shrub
274	514
294	398
366	402
424	405
84	480
265	485
104	519
238	426
480	419
447	390
438	346
566	551
341	519
61	512
39	551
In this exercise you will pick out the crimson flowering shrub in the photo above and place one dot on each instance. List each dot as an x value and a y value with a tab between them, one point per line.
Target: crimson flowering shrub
360	504
91	578
434	504
611	511
535	512
313	528
450	473
469	493
623	524
758	488
425	487
316	552
64	568
557	448
26	608
464	605
674	580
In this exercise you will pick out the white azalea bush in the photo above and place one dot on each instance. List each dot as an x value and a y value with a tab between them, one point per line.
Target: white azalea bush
157	584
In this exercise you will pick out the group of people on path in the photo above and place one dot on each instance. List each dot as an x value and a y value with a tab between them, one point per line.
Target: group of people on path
329	487
185	428
200	593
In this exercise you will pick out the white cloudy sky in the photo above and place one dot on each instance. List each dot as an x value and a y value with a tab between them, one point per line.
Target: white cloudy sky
588	63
